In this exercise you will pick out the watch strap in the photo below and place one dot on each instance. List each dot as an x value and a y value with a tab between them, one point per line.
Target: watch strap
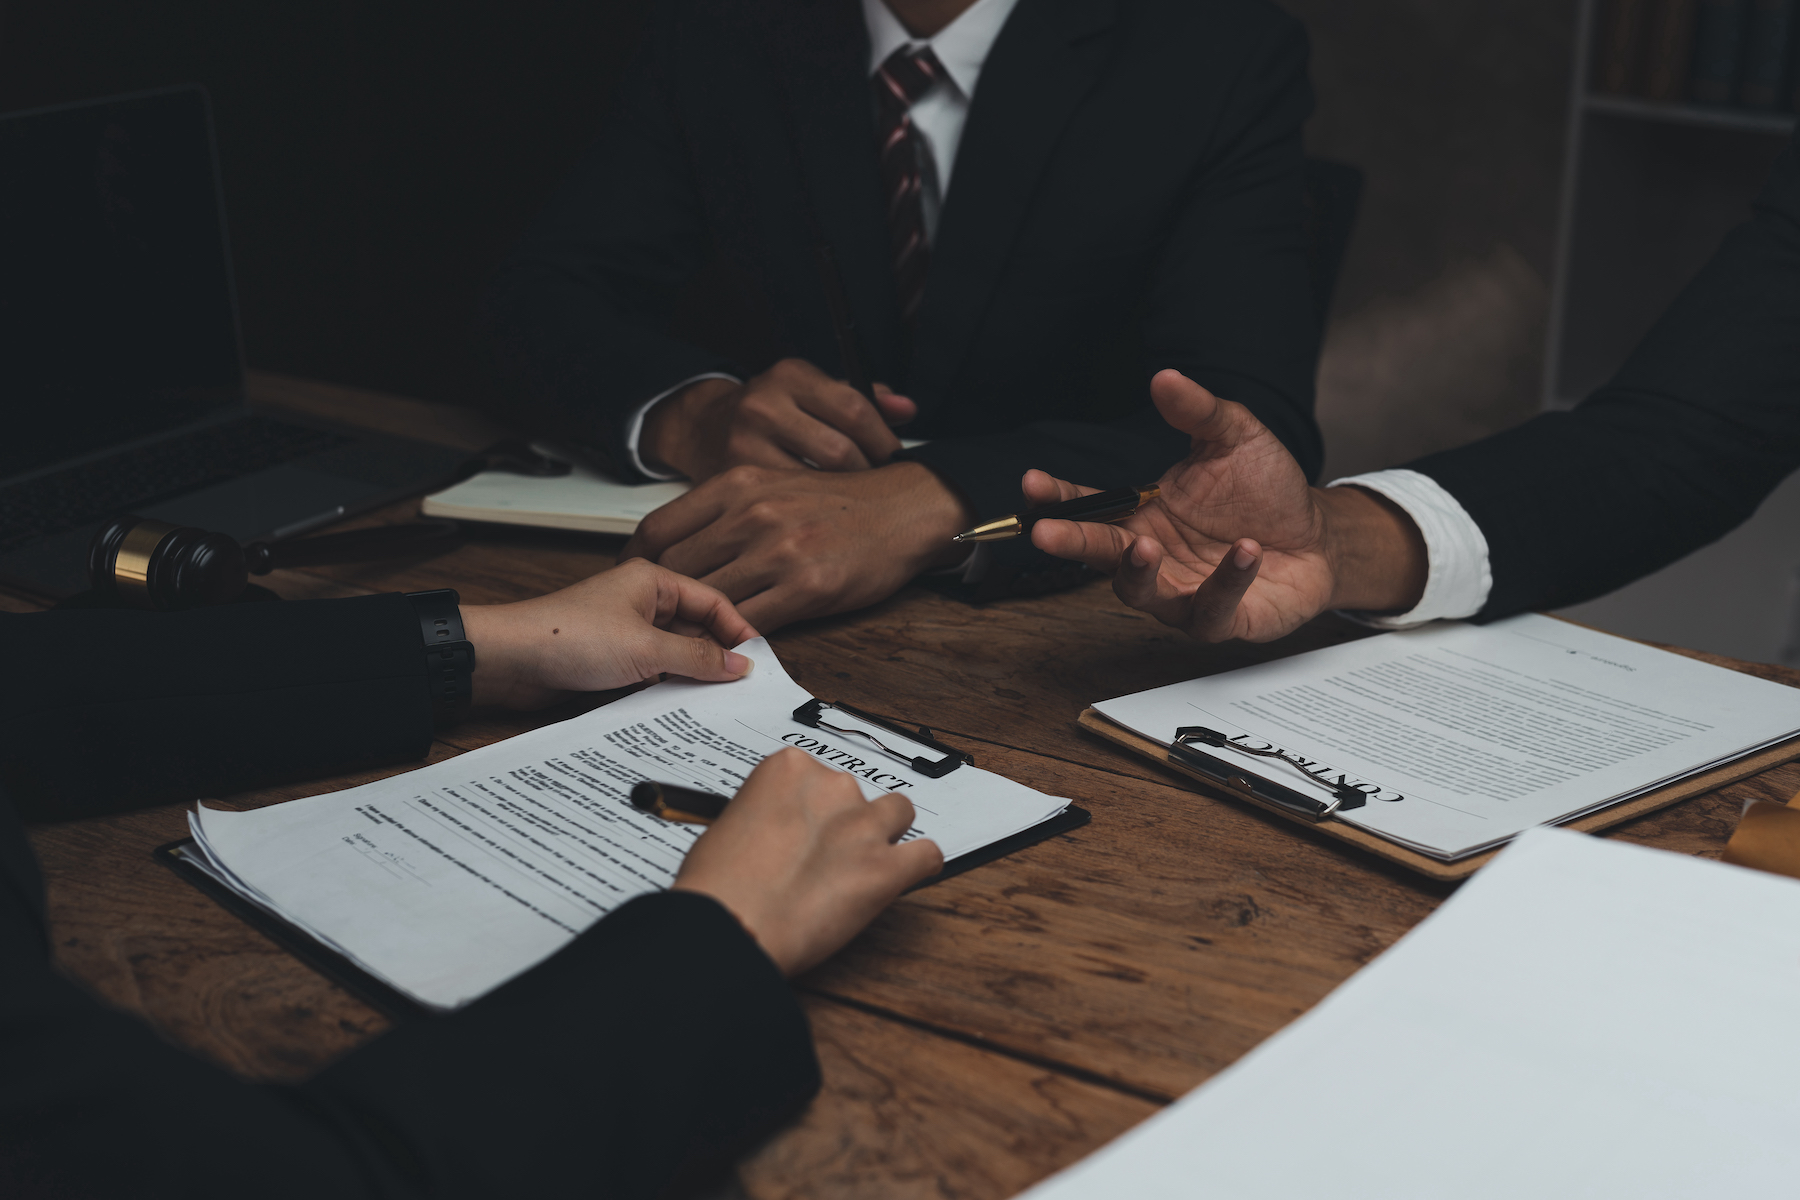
449	658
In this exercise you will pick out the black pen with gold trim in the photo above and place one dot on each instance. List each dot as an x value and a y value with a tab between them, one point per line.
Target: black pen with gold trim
672	802
1114	505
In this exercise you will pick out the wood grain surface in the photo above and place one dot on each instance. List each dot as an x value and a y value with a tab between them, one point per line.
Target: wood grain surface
984	1031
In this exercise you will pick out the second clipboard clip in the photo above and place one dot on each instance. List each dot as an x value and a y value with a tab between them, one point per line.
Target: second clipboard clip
1219	771
812	714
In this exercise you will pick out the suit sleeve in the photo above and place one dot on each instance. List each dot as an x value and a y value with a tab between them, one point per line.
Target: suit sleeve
580	312
643	1056
108	709
648	1051
1230	305
1700	424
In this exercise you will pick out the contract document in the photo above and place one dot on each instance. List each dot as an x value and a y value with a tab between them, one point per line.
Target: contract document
447	881
1462	736
1583	1018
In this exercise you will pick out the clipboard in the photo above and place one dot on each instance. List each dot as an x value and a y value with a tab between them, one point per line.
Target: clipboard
1434	868
396	1005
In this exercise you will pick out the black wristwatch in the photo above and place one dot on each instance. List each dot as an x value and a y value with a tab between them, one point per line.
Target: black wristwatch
449	658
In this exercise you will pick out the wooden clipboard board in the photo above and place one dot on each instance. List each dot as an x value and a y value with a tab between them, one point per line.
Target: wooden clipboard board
1462	868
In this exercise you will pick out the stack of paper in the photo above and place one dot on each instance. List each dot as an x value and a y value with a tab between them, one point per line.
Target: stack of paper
1583	1019
1462	736
447	881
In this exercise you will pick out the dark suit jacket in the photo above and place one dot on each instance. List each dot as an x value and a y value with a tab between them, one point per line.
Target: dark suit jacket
655	1043
1699	425
1127	196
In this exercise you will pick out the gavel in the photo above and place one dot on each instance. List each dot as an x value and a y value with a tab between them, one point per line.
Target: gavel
150	564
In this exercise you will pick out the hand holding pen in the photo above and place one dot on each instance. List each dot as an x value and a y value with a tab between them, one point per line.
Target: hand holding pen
1236	543
801	859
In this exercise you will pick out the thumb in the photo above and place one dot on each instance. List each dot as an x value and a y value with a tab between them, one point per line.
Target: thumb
694	657
895	408
1198	413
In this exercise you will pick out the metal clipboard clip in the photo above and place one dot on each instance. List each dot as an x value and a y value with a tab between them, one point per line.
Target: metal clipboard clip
1229	775
943	760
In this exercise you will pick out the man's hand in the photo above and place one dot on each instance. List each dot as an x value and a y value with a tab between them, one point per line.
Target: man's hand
804	861
617	628
792	415
791	544
1237	545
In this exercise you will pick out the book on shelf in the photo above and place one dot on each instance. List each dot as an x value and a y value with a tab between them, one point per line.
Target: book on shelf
1718	50
1719	53
1669	50
1768	54
1619	46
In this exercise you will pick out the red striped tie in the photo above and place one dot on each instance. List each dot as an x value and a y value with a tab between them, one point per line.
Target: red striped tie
899	82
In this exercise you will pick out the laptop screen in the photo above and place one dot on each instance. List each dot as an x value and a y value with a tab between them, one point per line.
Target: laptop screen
116	310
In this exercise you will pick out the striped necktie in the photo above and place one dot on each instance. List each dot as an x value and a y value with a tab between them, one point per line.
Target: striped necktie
899	83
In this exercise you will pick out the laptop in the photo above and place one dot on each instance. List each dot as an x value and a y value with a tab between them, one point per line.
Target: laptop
121	369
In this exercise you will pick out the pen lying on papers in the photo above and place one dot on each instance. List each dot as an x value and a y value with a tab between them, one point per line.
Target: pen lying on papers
1115	505
672	802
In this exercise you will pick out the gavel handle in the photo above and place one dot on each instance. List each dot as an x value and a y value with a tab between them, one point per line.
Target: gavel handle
357	545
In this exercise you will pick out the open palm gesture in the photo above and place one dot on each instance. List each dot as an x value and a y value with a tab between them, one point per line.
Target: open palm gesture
1237	545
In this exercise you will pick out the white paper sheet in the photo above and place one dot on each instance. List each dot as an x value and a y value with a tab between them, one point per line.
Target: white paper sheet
1584	1018
1481	731
449	880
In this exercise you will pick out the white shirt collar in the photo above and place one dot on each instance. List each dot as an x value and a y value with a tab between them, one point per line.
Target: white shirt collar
962	46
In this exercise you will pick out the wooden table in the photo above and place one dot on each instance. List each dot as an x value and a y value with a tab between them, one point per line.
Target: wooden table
984	1031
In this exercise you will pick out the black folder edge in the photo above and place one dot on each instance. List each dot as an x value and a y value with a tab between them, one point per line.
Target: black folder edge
398	1006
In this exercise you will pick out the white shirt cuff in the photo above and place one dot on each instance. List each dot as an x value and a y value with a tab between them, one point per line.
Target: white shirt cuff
1458	579
634	427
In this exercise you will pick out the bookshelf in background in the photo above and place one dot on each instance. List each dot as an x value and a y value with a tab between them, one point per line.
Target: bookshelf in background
1679	108
1676	115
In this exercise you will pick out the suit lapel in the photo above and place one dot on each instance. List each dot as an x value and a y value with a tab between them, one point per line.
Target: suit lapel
1042	64
821	52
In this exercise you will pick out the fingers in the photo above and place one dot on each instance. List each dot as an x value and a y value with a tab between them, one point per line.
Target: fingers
1041	487
1137	579
895	408
695	607
681	518
847	434
1098	546
1198	413
1212	609
893	815
820	445
695	658
776	607
802	861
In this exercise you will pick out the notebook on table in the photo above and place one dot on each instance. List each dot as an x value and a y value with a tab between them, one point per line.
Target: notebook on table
423	891
1431	747
583	499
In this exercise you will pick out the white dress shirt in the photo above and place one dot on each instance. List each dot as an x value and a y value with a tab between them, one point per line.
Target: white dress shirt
1458	577
962	46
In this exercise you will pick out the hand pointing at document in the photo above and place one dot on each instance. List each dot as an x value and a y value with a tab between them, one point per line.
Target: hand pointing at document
1238	545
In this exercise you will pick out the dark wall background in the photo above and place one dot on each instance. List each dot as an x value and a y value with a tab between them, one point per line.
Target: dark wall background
379	156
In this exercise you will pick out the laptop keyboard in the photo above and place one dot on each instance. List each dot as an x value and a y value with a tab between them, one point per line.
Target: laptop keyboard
138	478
